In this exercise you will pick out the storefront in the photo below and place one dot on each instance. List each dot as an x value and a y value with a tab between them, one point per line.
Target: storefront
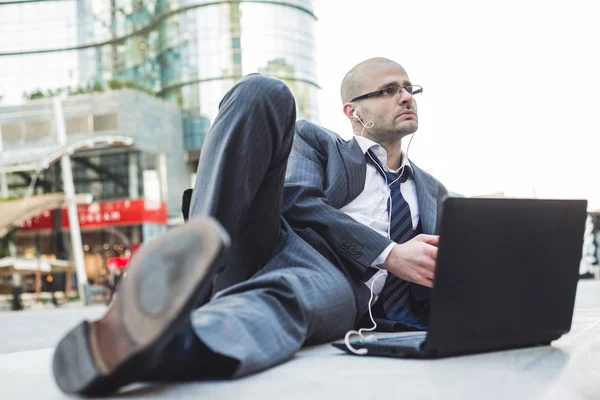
109	229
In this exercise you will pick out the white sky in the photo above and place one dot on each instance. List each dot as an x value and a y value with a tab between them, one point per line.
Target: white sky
511	87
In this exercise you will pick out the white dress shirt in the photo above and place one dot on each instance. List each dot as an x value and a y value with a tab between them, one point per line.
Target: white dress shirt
370	206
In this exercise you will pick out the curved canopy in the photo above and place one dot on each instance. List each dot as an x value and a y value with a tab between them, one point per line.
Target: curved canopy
14	212
36	158
22	265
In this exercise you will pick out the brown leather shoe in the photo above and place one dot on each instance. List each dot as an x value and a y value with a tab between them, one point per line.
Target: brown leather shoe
165	280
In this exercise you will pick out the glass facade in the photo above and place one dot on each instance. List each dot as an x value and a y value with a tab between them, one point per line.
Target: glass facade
227	41
191	52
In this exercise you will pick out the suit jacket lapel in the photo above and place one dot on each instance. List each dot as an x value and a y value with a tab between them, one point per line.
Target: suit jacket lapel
427	189
355	167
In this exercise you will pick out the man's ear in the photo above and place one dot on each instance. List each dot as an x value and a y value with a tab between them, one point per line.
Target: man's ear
351	112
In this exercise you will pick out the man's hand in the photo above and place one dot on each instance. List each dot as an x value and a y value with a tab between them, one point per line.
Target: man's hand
414	261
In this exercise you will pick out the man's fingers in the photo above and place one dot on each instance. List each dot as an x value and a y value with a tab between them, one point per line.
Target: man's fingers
431	251
428	274
428	260
425	282
429	239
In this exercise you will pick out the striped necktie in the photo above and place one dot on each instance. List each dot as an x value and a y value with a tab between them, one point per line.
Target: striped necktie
396	291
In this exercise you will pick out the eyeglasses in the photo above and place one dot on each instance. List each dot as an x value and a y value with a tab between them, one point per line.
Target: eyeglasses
391	91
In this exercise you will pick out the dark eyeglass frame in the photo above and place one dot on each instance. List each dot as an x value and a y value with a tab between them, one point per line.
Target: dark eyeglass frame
414	90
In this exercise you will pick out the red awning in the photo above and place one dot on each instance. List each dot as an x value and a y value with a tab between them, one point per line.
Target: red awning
105	213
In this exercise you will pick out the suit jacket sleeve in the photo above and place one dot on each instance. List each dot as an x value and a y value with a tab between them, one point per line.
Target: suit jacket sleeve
306	207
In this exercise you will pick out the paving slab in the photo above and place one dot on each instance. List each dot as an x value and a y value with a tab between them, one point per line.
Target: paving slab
569	369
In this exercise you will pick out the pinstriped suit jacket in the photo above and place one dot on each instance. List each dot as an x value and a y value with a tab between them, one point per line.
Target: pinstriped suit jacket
325	173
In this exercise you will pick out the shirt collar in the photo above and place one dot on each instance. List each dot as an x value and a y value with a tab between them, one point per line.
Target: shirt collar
368	144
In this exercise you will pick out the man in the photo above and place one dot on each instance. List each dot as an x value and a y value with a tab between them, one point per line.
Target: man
287	265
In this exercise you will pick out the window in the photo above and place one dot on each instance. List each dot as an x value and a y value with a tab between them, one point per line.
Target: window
38	129
106	122
78	125
12	133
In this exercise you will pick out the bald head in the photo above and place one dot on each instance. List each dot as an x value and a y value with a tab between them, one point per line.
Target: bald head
353	81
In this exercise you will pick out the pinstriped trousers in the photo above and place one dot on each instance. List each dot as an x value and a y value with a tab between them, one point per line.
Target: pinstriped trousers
276	293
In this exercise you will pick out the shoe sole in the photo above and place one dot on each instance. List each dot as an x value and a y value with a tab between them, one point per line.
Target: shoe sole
164	281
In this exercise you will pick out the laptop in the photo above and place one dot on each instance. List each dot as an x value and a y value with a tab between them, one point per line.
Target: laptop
506	277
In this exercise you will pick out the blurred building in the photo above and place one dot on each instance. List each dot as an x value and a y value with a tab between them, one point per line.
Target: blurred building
189	52
135	185
192	52
150	70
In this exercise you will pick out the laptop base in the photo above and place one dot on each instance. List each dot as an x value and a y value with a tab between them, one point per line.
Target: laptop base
406	346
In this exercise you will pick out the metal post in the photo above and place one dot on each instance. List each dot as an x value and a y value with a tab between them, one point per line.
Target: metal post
162	176
3	179
134	181
69	189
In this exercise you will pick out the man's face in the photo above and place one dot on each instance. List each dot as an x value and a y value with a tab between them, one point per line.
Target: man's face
394	110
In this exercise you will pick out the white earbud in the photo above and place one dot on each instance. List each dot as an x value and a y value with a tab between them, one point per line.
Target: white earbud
369	124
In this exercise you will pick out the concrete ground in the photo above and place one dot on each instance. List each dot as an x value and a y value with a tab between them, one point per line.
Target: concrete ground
569	369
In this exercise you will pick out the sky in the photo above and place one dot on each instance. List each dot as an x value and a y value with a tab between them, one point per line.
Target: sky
511	87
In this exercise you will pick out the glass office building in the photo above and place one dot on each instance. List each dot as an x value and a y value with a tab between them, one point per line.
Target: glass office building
192	52
189	52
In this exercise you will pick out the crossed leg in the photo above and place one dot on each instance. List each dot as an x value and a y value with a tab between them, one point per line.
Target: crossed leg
273	292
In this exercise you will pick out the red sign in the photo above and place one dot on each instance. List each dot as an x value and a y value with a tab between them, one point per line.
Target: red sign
106	213
117	262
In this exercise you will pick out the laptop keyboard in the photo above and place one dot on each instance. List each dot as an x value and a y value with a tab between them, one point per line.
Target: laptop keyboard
408	340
